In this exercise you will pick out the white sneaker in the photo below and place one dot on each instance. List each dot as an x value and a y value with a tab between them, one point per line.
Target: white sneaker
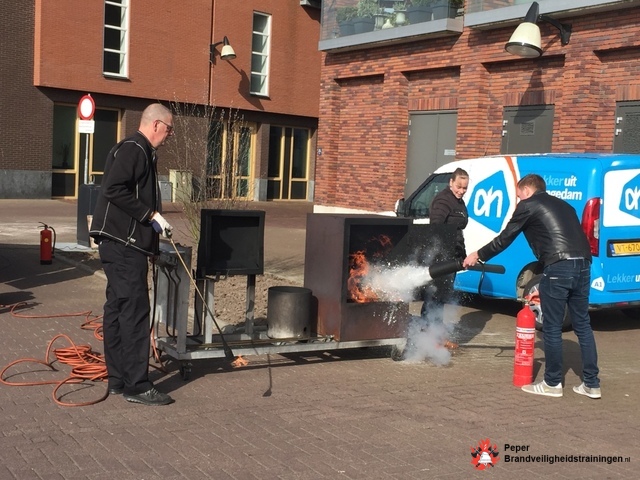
582	389
543	389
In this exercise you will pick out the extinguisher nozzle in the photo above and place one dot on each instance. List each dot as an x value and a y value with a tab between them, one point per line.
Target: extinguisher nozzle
447	267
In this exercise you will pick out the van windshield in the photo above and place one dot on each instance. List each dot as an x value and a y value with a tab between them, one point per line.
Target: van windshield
420	201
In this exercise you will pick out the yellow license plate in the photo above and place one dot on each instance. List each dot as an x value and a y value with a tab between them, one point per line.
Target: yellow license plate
627	248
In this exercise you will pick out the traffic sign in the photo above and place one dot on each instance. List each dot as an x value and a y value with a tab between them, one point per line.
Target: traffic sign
86	107
86	126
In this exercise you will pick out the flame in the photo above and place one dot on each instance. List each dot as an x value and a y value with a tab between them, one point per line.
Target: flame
359	268
239	362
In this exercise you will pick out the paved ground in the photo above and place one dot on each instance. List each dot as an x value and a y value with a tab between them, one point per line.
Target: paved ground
352	414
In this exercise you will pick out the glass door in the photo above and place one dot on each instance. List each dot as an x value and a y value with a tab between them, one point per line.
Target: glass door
288	163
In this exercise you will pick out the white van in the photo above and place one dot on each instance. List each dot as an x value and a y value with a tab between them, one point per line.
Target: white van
604	189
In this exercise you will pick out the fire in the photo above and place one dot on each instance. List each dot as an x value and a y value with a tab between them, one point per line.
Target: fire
359	268
239	362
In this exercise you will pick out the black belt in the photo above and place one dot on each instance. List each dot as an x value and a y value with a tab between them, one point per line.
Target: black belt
556	257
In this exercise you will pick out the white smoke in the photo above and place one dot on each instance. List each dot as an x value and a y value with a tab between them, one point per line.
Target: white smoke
425	341
396	283
425	336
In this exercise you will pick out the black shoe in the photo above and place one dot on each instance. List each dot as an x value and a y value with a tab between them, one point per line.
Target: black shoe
150	397
116	391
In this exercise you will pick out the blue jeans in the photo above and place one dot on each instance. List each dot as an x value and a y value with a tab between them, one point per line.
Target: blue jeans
566	284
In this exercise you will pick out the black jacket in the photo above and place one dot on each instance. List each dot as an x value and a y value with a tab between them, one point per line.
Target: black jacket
551	227
447	208
128	196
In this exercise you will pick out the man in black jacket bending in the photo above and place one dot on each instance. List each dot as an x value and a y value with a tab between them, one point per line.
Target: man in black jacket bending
126	224
555	235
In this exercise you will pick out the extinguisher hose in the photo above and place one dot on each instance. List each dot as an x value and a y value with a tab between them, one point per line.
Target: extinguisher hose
484	268
53	243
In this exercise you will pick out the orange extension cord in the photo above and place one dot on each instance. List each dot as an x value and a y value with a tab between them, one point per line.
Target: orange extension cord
86	364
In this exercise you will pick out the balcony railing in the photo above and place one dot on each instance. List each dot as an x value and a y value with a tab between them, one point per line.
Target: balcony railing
349	23
361	24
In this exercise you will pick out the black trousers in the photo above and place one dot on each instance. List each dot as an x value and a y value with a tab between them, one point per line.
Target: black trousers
126	322
434	297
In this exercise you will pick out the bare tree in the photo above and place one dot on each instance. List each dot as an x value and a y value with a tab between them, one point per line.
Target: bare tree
212	150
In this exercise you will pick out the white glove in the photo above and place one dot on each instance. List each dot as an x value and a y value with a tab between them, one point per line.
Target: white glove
160	225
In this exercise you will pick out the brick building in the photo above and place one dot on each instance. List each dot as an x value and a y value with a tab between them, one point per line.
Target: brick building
245	127
404	97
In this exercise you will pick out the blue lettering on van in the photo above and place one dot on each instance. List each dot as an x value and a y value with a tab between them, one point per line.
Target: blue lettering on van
490	202
630	200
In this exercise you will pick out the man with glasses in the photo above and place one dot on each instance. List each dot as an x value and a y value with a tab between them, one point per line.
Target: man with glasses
126	225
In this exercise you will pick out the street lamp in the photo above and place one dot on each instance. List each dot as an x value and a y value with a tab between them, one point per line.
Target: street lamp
226	53
525	41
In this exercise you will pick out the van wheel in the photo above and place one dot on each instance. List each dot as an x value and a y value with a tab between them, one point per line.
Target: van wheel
633	313
532	288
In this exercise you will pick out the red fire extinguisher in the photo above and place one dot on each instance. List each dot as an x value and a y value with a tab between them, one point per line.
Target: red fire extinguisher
525	345
47	244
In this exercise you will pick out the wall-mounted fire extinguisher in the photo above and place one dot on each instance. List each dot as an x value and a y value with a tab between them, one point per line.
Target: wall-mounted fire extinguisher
525	346
47	244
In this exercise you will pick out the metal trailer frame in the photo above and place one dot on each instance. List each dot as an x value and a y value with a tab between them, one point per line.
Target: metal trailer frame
245	340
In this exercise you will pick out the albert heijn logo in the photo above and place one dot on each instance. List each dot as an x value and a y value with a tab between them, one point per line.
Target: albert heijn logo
630	200
490	202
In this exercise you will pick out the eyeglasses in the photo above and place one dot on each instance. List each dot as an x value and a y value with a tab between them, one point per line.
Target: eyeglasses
169	127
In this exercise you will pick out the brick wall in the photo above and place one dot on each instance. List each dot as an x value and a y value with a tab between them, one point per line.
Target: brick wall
168	49
366	97
295	62
25	121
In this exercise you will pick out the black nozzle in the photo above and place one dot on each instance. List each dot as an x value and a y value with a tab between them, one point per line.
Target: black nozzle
440	269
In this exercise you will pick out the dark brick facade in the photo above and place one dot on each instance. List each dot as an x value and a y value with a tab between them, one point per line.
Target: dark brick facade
368	94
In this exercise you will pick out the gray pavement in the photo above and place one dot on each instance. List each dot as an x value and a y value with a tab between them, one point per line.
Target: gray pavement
353	414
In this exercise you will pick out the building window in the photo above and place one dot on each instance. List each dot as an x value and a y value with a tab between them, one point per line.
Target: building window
70	150
288	163
116	38
260	44
229	160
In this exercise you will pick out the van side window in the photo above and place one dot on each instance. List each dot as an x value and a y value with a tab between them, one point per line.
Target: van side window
420	201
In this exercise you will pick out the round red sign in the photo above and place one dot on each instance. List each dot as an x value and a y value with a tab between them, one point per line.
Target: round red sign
86	107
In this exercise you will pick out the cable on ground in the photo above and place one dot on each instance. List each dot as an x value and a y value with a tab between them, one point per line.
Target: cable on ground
85	364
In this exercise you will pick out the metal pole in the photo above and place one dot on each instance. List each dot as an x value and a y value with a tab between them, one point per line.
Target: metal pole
86	160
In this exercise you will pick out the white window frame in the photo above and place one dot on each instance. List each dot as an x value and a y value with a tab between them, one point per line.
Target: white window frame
263	54
123	28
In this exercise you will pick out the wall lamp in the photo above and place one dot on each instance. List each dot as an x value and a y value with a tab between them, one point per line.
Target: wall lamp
525	41
226	53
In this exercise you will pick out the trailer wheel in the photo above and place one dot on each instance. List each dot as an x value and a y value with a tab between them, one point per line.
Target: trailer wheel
397	353
185	371
532	289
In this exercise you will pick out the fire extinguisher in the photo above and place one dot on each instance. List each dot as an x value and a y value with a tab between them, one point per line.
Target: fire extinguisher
47	244
525	345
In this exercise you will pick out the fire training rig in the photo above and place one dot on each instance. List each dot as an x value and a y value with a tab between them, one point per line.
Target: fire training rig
330	312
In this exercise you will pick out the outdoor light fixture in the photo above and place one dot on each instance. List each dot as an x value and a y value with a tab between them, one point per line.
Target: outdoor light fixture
227	52
525	41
